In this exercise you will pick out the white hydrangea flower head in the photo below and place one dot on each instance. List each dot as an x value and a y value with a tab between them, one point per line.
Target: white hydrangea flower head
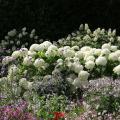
105	52
75	47
87	54
76	82
13	70
61	50
113	48
76	60
39	62
24	51
31	53
52	53
117	70
101	61
69	64
113	57
69	53
34	47
90	58
97	52
23	83
46	44
93	50
28	60
7	60
79	54
119	59
16	54
77	67
117	53
60	60
52	47
30	85
107	46
86	48
89	65
83	75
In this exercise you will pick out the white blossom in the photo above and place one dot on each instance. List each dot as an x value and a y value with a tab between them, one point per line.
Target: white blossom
85	48
16	54
75	47
97	52
34	47
113	48
105	51
76	82
69	53
83	75
31	53
13	70
24	51
79	54
23	83
117	70
90	58
101	61
30	85
28	60
39	62
113	57
117	53
89	65
107	46
77	67
7	60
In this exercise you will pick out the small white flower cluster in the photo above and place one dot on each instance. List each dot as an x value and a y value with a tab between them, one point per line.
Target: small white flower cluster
25	84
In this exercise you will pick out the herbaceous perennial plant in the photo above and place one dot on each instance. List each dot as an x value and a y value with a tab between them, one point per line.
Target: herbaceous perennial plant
78	75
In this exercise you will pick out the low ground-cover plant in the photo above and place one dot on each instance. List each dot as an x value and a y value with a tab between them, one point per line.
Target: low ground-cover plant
16	111
103	95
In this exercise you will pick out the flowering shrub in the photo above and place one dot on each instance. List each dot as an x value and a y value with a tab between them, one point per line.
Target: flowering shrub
85	37
69	70
15	40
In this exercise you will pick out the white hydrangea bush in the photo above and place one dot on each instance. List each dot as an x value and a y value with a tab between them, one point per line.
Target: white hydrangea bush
77	65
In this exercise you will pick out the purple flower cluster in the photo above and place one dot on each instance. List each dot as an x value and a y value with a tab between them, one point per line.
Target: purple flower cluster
16	112
105	86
